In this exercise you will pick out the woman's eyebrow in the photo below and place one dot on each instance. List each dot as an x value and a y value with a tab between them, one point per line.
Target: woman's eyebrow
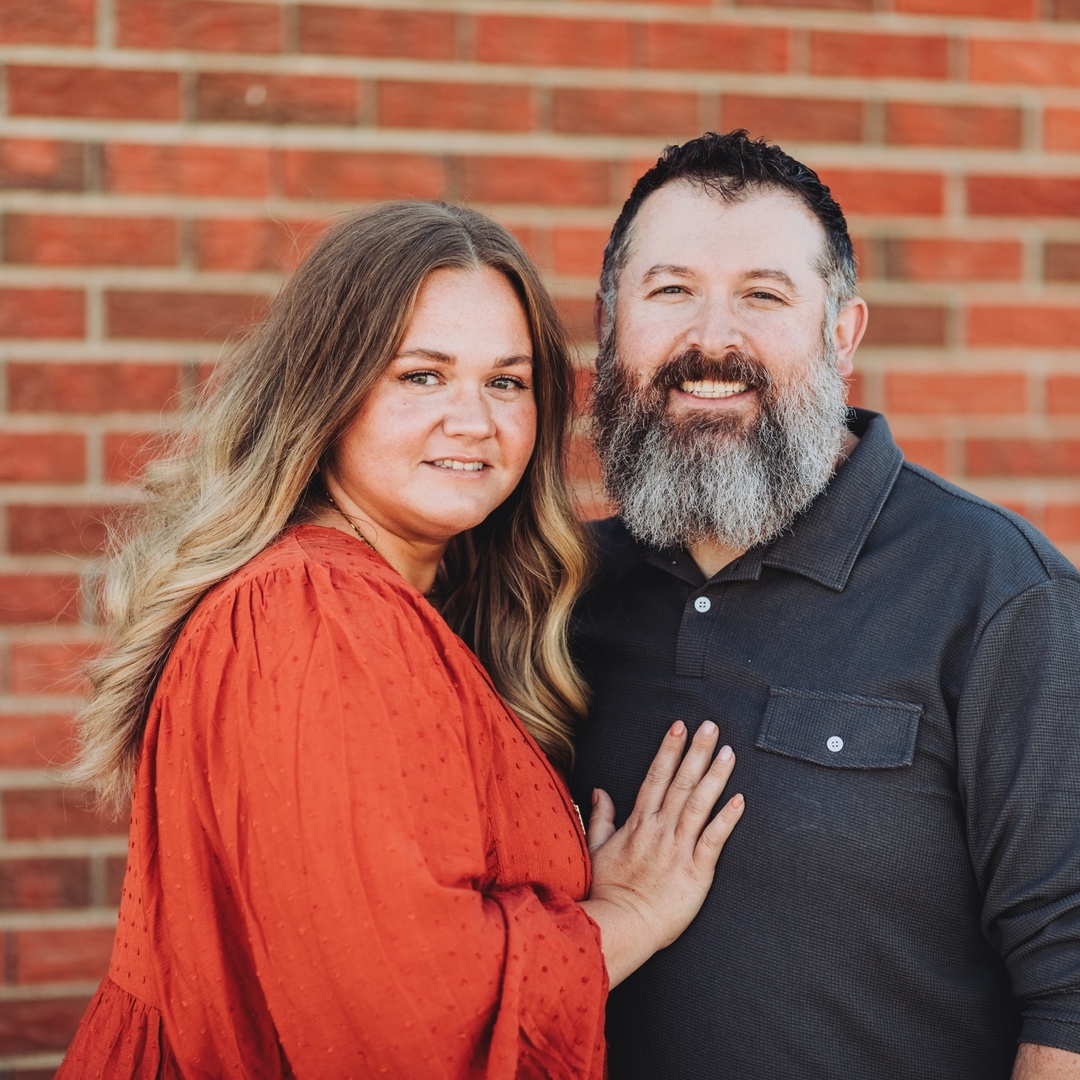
437	357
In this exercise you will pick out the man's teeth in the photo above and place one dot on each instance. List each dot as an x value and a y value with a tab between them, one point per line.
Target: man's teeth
458	466
710	388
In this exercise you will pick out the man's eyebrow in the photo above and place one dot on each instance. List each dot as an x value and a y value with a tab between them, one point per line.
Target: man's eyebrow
662	269
437	357
776	275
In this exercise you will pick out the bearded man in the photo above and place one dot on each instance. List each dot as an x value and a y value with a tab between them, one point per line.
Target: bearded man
895	662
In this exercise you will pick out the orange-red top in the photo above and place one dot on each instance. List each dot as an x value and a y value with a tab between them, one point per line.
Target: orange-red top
347	857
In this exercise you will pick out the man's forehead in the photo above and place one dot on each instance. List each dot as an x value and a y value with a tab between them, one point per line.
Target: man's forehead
683	225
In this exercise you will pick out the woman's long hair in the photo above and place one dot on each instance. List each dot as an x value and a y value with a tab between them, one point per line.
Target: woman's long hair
247	466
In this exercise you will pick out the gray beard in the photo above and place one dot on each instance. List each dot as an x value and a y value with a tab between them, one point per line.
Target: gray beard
678	481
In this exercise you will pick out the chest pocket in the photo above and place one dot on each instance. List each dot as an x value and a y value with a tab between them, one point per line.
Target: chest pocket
840	731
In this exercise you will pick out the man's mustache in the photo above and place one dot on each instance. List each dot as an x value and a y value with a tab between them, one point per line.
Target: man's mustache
695	366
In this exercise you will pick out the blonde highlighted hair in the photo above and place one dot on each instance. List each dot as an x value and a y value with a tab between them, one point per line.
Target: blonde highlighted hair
247	467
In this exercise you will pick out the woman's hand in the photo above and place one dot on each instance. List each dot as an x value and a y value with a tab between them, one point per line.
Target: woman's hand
651	876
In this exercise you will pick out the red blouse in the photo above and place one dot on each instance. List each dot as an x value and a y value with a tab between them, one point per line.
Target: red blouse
348	858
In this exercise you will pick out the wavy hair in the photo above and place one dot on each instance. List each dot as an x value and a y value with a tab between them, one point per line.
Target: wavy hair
246	467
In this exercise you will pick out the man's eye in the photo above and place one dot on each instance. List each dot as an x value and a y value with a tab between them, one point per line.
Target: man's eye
421	378
509	382
671	290
762	295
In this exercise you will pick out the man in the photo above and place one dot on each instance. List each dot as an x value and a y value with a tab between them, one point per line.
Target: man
895	662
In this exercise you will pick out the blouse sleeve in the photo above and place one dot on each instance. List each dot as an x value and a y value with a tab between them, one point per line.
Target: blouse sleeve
326	758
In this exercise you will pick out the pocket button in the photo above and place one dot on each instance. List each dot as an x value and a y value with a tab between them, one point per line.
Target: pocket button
835	744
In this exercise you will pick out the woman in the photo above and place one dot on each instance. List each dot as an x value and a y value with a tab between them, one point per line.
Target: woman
348	858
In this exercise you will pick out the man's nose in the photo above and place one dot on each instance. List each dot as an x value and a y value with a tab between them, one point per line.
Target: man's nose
715	329
469	413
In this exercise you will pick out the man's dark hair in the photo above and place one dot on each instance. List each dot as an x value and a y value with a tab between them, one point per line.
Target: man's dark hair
733	167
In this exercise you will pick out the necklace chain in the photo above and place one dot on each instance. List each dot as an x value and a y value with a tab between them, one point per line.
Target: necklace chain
352	524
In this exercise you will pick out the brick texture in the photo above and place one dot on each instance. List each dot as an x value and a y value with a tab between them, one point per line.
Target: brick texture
163	162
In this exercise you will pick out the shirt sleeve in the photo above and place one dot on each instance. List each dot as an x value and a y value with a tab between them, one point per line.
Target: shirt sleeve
1018	732
329	760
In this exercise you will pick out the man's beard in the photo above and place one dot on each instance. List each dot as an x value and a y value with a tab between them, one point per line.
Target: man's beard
703	476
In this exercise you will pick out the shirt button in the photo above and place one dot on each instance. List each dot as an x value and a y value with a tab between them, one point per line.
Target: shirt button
702	604
835	744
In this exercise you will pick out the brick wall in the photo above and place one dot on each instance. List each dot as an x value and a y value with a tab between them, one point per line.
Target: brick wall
161	161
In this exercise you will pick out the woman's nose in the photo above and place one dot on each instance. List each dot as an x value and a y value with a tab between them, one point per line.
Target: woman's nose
469	413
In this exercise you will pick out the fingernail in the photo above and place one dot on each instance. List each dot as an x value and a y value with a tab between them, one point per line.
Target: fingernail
677	728
737	801
708	728
595	796
726	753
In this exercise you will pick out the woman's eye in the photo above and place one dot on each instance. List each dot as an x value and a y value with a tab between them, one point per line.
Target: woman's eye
421	378
509	382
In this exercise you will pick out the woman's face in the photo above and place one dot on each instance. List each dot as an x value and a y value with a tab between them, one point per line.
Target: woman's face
446	433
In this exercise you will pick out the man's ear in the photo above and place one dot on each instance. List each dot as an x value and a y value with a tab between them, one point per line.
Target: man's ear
848	332
599	316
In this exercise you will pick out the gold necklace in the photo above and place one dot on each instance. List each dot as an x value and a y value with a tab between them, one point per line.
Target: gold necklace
352	524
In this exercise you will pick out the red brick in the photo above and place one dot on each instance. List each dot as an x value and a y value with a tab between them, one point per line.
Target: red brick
955	394
224	171
68	955
71	240
1024	196
1061	129
43	884
707	47
38	598
804	119
1061	261
55	813
865	192
909	325
34	741
210	25
624	112
953	260
59	22
879	56
179	316
69	530
39	1026
916	124
92	388
979	9
555	181
352	31
819	5
592	43
336	174
577	316
1062	522
1024	327
930	453
1042	63
1066	10
582	462
35	458
42	313
127	453
276	99
578	250
93	93
254	243
1063	395
115	867
1023	457
857	389
41	164
454	106
50	667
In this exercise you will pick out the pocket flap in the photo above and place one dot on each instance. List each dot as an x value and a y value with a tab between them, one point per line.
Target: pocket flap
840	730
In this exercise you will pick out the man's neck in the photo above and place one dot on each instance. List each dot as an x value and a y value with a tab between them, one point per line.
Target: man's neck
712	556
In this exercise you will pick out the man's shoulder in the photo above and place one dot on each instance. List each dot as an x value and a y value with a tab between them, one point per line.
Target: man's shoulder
979	536
616	548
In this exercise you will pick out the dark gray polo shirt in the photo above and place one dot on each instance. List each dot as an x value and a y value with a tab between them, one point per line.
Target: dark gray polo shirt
900	679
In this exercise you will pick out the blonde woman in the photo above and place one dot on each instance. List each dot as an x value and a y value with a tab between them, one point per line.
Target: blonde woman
349	857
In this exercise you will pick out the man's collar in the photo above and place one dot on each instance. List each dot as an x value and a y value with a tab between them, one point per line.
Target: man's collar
822	543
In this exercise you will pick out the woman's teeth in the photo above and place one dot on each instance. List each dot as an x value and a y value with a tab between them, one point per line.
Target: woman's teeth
710	388
458	466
